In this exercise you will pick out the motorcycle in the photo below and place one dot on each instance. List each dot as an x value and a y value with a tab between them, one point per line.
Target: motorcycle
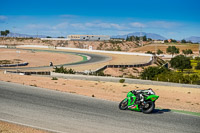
144	101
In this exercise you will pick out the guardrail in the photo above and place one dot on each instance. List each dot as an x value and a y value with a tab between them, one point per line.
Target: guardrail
29	73
14	65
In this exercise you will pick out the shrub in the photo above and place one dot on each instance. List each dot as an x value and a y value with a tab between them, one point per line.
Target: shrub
180	62
197	58
64	70
177	77
149	52
198	66
54	78
197	82
159	52
100	73
122	80
151	72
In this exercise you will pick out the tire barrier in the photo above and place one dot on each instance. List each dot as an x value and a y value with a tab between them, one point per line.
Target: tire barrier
14	65
29	73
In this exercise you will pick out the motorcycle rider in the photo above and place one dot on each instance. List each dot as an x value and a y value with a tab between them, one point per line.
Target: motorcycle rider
140	95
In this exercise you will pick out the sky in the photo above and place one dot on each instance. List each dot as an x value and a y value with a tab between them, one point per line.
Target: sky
175	19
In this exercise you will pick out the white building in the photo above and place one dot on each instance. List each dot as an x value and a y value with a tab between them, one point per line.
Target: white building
159	41
56	39
88	37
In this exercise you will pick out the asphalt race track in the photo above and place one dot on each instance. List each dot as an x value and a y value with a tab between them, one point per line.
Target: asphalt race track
64	112
95	58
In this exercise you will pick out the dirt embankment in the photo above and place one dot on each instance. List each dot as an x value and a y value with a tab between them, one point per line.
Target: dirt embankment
163	47
99	45
96	45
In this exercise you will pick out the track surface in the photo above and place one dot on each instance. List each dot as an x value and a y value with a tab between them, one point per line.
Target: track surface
64	112
95	58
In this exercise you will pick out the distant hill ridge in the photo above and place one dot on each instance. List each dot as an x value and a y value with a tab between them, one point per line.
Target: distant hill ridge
148	35
194	39
24	35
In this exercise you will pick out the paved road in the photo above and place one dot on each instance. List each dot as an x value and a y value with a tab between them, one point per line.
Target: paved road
64	112
94	58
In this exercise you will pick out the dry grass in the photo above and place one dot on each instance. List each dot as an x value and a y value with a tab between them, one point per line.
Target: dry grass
163	47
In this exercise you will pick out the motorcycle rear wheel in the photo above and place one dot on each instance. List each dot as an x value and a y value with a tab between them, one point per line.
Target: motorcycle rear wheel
123	105
148	107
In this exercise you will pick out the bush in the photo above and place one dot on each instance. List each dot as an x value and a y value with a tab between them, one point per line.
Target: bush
100	73
197	82
197	58
159	52
198	66
122	80
151	72
149	52
54	78
177	77
180	62
64	70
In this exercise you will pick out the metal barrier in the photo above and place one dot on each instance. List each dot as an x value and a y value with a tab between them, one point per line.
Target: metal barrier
14	65
29	73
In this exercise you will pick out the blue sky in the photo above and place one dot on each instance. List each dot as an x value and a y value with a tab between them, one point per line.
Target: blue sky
171	18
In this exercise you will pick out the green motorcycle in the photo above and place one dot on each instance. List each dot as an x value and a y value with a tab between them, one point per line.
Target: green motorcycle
139	100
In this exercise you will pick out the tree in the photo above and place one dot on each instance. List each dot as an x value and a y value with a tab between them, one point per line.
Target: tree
145	38
190	51
183	41
172	50
151	72
187	51
159	52
180	62
173	40
5	33
198	66
149	39
165	41
127	38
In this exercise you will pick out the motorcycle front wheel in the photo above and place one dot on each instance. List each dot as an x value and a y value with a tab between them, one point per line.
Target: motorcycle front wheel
123	105
148	107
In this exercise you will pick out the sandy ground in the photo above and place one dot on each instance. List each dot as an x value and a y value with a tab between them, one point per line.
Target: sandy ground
38	58
13	128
